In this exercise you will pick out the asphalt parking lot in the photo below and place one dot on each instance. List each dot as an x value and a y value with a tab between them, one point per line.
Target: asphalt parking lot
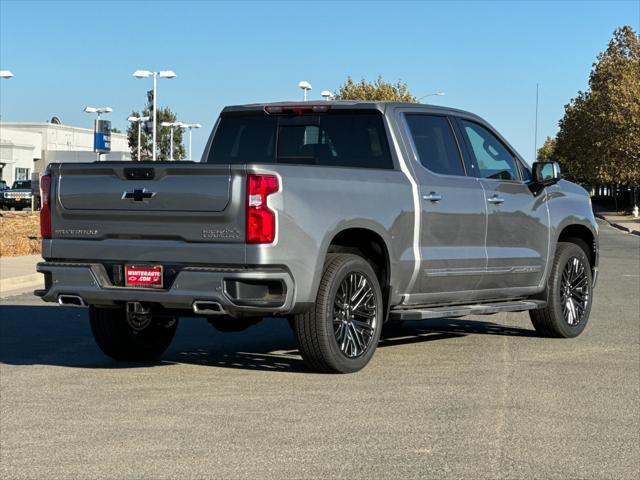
479	397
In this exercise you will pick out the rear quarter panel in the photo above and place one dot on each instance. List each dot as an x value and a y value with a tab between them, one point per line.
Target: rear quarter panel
315	203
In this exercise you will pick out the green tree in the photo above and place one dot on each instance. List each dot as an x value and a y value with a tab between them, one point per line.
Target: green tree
377	90
115	130
547	151
599	137
164	143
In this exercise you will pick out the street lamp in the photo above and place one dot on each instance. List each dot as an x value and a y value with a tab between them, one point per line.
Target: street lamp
326	94
139	121
435	94
98	110
6	74
305	86
155	75
190	126
171	126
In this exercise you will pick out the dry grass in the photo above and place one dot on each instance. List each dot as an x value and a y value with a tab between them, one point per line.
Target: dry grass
19	233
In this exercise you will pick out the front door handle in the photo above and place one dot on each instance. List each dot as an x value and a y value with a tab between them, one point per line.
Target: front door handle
432	197
495	200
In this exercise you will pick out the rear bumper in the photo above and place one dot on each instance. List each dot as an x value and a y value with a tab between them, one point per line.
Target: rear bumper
92	284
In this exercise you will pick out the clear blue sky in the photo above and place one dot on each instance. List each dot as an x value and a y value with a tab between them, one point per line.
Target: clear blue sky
486	56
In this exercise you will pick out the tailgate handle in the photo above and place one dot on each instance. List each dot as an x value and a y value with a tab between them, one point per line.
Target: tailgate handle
139	173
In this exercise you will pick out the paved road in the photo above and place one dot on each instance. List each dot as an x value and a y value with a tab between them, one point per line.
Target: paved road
472	398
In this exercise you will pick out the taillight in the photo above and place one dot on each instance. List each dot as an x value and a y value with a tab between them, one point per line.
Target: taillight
45	208
261	220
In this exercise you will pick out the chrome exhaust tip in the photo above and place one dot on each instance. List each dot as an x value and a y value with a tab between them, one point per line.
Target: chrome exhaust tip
206	307
71	301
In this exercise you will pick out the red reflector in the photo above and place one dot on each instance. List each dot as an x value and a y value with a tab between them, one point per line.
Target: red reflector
45	208
261	220
295	109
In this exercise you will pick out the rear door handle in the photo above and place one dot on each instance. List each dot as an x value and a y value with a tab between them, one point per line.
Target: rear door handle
432	197
495	199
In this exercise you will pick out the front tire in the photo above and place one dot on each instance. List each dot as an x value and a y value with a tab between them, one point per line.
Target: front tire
120	341
569	294
340	334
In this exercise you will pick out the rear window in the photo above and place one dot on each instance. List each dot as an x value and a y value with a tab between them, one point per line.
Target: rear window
337	139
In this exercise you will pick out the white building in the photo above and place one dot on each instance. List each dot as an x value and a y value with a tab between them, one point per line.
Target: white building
27	148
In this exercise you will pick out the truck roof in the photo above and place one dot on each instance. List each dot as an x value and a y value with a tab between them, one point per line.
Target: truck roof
349	104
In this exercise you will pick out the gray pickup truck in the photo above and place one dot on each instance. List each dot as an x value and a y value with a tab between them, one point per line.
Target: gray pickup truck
338	216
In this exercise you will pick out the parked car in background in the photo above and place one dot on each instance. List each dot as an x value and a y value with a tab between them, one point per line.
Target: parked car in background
18	196
338	216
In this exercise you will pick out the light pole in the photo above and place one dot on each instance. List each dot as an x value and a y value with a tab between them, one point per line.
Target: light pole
190	126
435	94
139	121
305	86
99	111
327	95
171	126
155	75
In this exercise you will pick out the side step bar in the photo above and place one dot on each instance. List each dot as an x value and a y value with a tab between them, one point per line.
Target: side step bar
462	310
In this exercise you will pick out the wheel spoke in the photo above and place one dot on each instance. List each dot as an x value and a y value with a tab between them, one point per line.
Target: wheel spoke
574	291
354	314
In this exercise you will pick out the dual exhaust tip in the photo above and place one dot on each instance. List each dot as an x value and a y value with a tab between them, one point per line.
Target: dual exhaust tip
200	307
71	301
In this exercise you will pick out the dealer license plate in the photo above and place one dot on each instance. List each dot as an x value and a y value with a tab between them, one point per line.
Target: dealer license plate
149	276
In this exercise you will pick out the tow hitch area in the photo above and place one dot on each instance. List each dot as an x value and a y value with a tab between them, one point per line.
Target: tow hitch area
138	315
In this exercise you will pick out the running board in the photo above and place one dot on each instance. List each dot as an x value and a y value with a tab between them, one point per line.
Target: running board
462	310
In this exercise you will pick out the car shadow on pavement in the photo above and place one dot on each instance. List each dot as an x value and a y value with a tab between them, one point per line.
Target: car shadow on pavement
59	336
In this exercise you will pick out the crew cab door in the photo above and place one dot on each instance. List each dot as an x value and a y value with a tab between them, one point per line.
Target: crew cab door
453	218
517	221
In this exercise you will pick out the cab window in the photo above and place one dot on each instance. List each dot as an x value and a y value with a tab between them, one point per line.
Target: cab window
493	159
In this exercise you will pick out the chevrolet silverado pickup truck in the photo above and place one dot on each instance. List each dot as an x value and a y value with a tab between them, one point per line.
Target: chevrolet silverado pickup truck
338	216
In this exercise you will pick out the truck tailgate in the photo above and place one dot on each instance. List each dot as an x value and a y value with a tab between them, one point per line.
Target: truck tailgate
192	202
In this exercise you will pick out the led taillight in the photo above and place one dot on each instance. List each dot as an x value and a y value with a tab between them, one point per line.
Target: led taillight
45	207
261	220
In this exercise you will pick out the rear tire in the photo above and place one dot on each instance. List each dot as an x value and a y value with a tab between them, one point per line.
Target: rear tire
569	294
340	334
118	340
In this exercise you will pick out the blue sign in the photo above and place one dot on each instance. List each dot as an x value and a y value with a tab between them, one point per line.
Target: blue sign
102	136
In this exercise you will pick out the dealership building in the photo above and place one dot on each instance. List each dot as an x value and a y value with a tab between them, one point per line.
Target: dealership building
27	148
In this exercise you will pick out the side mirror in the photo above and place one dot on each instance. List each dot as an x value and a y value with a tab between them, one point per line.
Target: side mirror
546	173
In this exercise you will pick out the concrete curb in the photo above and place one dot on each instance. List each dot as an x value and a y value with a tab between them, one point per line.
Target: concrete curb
12	286
617	225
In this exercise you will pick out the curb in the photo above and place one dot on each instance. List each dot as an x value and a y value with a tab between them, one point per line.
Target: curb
617	225
17	285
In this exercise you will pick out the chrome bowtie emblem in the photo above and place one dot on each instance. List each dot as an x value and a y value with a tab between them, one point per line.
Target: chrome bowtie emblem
138	195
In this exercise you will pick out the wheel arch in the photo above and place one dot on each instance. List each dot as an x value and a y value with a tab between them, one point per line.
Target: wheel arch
576	231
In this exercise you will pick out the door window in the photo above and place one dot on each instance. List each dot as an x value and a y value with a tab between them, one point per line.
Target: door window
492	157
435	144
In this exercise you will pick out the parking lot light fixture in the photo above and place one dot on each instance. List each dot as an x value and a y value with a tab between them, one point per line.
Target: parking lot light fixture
139	121
327	95
172	126
305	86
6	74
98	110
155	75
190	127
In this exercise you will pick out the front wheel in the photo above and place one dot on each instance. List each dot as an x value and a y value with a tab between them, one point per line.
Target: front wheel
569	294
127	339
341	332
